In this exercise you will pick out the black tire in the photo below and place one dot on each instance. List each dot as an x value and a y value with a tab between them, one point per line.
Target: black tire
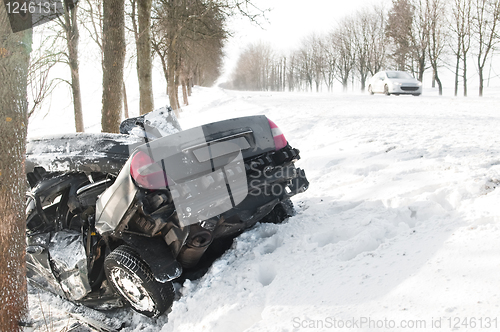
370	90
416	94
124	267
386	90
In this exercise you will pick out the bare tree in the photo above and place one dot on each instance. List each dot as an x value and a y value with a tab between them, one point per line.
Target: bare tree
342	40
14	59
378	40
142	30
203	51
408	28
93	21
159	45
460	27
330	62
114	59
311	59
437	37
485	27
399	30
420	36
253	68
291	72
40	82
69	24
185	21
362	44
306	64
318	60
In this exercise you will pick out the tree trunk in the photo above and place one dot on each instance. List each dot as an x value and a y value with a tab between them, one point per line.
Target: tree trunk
465	76
172	85
363	82
457	68
125	102
344	84
14	60
438	80
144	59
481	81
421	69
114	60
72	39
284	74
184	92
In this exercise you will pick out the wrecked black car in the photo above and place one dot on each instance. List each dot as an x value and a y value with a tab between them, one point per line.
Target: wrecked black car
115	218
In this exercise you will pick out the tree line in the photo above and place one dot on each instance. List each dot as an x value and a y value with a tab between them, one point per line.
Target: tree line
186	36
412	35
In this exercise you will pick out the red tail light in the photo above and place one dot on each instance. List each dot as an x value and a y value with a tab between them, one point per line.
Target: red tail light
146	173
279	139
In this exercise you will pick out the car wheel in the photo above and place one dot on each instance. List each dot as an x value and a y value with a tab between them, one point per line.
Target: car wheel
132	278
370	90
416	94
386	90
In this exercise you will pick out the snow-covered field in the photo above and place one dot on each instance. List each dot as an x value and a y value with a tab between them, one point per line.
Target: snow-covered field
399	229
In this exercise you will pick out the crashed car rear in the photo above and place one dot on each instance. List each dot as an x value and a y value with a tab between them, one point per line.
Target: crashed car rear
117	218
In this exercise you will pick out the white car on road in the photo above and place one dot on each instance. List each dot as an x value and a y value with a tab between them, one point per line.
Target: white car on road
394	82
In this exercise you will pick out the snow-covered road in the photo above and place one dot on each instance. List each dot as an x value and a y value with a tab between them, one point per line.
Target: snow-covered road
399	227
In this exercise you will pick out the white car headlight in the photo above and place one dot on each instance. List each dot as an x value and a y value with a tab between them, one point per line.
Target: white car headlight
419	84
396	83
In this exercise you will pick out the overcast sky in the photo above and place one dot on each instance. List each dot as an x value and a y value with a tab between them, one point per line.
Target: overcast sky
288	22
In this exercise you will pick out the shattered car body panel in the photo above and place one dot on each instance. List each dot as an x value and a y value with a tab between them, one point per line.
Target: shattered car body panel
69	263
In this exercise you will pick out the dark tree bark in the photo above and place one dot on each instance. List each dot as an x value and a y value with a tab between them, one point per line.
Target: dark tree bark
70	26
188	36
173	29
144	60
114	60
14	60
465	75
172	83
437	39
457	68
184	91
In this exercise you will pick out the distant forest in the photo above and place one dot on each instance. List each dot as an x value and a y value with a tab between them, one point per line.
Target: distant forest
412	35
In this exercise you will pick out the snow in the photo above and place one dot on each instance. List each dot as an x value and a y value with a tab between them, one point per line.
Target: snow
400	224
